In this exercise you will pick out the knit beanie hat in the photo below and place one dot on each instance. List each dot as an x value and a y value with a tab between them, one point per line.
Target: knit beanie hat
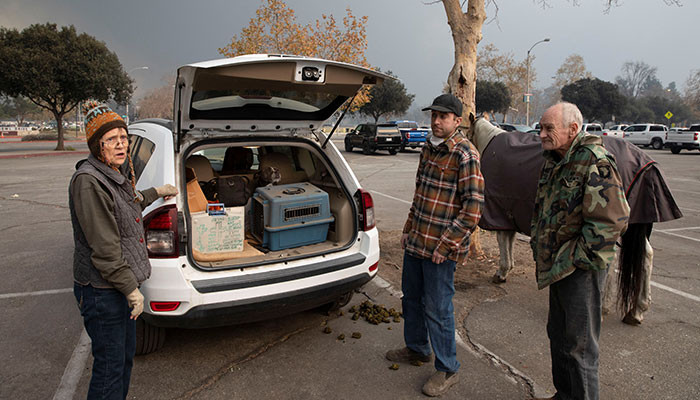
100	119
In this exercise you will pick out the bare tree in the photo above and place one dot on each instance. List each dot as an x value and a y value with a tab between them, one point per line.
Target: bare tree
692	91
635	76
158	102
572	70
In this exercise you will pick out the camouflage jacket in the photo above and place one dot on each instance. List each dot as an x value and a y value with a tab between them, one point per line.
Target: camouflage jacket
580	211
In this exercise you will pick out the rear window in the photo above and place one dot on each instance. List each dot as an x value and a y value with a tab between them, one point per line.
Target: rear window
268	104
387	129
407	125
656	128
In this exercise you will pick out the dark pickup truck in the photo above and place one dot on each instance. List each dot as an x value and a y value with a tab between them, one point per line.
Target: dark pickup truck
371	137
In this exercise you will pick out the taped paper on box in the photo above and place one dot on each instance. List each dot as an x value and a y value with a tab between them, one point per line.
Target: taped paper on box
213	234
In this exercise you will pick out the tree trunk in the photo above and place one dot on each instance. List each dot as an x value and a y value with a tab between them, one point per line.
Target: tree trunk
466	35
59	130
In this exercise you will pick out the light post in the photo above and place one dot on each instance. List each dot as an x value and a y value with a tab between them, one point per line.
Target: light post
527	94
127	102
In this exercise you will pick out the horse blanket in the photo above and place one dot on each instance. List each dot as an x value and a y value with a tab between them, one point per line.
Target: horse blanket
511	165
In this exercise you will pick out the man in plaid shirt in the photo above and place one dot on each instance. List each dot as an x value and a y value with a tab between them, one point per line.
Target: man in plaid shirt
446	209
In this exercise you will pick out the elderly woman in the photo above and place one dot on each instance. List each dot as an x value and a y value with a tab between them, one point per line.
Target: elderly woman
110	260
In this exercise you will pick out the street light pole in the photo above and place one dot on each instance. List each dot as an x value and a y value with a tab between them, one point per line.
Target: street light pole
527	94
127	102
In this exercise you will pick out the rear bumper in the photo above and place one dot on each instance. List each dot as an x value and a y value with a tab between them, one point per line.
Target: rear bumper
258	309
686	146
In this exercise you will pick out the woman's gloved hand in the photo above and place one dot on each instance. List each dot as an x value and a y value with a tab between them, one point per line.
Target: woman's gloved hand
166	191
135	300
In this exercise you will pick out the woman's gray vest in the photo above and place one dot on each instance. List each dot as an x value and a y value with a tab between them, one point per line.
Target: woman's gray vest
128	216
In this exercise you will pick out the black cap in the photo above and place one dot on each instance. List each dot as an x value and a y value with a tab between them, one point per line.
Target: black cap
446	103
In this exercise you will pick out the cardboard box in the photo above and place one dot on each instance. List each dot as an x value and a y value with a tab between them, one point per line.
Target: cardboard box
195	197
216	234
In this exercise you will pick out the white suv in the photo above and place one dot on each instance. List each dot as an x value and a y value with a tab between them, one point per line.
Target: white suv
237	118
646	135
593	129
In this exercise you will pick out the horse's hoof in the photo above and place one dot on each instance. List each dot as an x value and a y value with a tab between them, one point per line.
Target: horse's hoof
497	279
631	320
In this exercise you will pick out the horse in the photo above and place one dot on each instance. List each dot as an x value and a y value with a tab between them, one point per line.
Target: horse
510	164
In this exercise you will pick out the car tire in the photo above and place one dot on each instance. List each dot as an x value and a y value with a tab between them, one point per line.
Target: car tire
149	338
366	148
657	144
392	152
348	147
675	149
339	303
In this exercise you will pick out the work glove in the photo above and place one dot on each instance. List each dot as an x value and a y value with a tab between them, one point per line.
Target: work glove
166	191
135	300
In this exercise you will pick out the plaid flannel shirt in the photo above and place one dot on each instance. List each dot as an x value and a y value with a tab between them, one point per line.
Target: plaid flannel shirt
448	199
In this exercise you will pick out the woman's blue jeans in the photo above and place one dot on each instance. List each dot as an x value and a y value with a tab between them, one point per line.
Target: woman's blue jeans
428	312
106	318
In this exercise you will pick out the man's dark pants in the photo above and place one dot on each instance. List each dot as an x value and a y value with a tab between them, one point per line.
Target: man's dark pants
428	312
106	318
573	328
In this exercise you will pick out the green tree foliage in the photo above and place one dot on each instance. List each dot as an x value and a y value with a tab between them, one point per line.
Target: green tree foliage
19	108
598	100
388	98
492	96
58	68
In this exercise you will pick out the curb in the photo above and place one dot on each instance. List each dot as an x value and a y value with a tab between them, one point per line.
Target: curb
30	155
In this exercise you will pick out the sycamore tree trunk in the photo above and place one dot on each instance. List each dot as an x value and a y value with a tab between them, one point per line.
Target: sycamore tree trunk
59	129
466	35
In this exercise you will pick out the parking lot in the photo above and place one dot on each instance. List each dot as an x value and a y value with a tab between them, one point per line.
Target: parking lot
504	352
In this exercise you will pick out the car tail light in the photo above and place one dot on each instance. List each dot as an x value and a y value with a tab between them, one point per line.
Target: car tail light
408	135
366	210
163	306
374	267
161	232
605	133
696	136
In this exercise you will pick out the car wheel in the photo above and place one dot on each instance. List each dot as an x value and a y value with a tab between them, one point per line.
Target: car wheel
366	148
392	152
657	144
348	147
675	149
339	303
149	338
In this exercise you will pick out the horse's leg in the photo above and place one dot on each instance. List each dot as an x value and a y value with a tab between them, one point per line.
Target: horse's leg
608	292
505	248
636	315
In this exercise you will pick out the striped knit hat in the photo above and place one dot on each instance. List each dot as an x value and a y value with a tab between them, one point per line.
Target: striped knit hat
100	119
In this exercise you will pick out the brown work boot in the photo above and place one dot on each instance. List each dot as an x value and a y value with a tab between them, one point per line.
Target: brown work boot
407	355
439	383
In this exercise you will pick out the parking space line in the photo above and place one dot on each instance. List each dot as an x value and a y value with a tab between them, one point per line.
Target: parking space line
39	293
676	291
74	369
685	191
678	229
390	197
689	209
675	234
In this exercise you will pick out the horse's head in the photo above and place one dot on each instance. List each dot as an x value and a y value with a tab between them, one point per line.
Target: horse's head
481	131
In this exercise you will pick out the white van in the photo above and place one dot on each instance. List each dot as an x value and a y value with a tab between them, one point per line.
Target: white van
306	239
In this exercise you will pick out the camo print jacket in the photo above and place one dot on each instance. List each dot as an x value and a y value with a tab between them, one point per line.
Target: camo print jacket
580	211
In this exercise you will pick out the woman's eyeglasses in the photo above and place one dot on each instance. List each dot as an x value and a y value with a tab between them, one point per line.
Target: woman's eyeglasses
113	141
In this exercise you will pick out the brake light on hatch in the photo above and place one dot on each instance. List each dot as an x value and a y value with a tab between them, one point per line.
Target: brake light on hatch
374	267
161	232
696	136
367	210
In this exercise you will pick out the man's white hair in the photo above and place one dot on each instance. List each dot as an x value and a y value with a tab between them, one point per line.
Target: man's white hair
570	114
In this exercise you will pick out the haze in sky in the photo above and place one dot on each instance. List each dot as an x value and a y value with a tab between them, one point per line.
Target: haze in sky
409	37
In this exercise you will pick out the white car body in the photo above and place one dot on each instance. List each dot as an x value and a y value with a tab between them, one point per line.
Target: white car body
646	135
184	292
616	131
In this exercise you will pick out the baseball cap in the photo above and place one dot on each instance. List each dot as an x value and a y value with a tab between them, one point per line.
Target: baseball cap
446	103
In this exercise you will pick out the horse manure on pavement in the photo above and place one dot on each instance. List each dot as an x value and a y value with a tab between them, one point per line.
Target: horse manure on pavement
375	314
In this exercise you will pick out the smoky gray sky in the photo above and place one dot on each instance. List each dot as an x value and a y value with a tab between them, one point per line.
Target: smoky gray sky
408	37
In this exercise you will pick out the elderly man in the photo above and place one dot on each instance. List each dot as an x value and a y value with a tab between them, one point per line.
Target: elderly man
446	208
580	212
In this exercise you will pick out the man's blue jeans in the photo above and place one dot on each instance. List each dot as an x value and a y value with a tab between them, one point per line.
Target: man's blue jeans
106	318
573	328
428	312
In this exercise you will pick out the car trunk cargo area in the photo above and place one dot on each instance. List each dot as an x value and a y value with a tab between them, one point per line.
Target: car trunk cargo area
281	201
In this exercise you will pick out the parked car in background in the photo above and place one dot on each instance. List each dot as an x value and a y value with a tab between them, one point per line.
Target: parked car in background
371	137
646	135
515	127
593	129
411	135
616	130
308	238
678	139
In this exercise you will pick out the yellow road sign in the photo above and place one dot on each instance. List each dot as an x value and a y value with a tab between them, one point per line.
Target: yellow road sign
668	115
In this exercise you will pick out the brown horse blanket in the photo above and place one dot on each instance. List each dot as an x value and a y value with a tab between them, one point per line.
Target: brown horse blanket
511	165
